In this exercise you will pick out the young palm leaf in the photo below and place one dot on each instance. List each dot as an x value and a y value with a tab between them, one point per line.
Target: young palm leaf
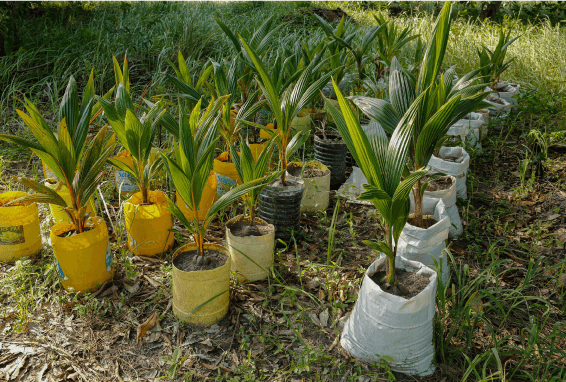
249	171
260	40
358	48
492	62
225	84
286	101
391	39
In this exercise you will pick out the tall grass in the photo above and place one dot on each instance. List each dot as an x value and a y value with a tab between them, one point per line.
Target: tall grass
86	37
539	54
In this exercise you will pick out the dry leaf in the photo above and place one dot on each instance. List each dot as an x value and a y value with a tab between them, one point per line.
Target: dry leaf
551	217
152	281
324	317
145	326
39	375
527	203
155	333
132	289
314	319
109	291
561	282
168	341
207	345
117	371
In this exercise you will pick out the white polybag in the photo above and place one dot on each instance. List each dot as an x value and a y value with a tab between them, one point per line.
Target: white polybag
507	90
498	106
448	197
459	129
458	168
382	324
353	187
427	245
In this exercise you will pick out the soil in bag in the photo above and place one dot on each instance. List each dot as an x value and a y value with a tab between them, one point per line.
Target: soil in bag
427	222
438	184
72	232
310	172
186	261
409	284
242	228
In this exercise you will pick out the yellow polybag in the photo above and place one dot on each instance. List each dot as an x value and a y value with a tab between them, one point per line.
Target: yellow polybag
148	226
19	228
84	261
208	288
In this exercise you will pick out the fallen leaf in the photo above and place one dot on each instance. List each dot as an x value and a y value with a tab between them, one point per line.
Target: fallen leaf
39	375
155	333
561	282
109	291
132	289
149	259
551	217
168	341
315	319
152	281
207	345
117	371
324	317
145	326
334	343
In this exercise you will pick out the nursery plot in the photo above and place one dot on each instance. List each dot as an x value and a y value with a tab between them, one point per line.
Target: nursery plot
285	328
275	156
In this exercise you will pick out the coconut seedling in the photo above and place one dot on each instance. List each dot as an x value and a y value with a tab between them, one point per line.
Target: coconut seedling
190	165
384	165
338	55
309	52
389	184
390	42
78	163
249	170
190	86
260	40
430	103
249	239
285	99
78	166
136	135
200	271
231	120
358	46
492	62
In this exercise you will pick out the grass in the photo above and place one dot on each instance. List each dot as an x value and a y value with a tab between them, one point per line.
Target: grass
87	36
501	319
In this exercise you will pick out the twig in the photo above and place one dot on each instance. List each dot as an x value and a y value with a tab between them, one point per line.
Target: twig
32	68
234	334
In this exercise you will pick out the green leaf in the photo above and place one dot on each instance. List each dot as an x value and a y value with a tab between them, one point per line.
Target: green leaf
44	193
436	49
267	86
69	108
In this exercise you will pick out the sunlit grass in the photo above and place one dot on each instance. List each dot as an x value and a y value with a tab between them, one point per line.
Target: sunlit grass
152	32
